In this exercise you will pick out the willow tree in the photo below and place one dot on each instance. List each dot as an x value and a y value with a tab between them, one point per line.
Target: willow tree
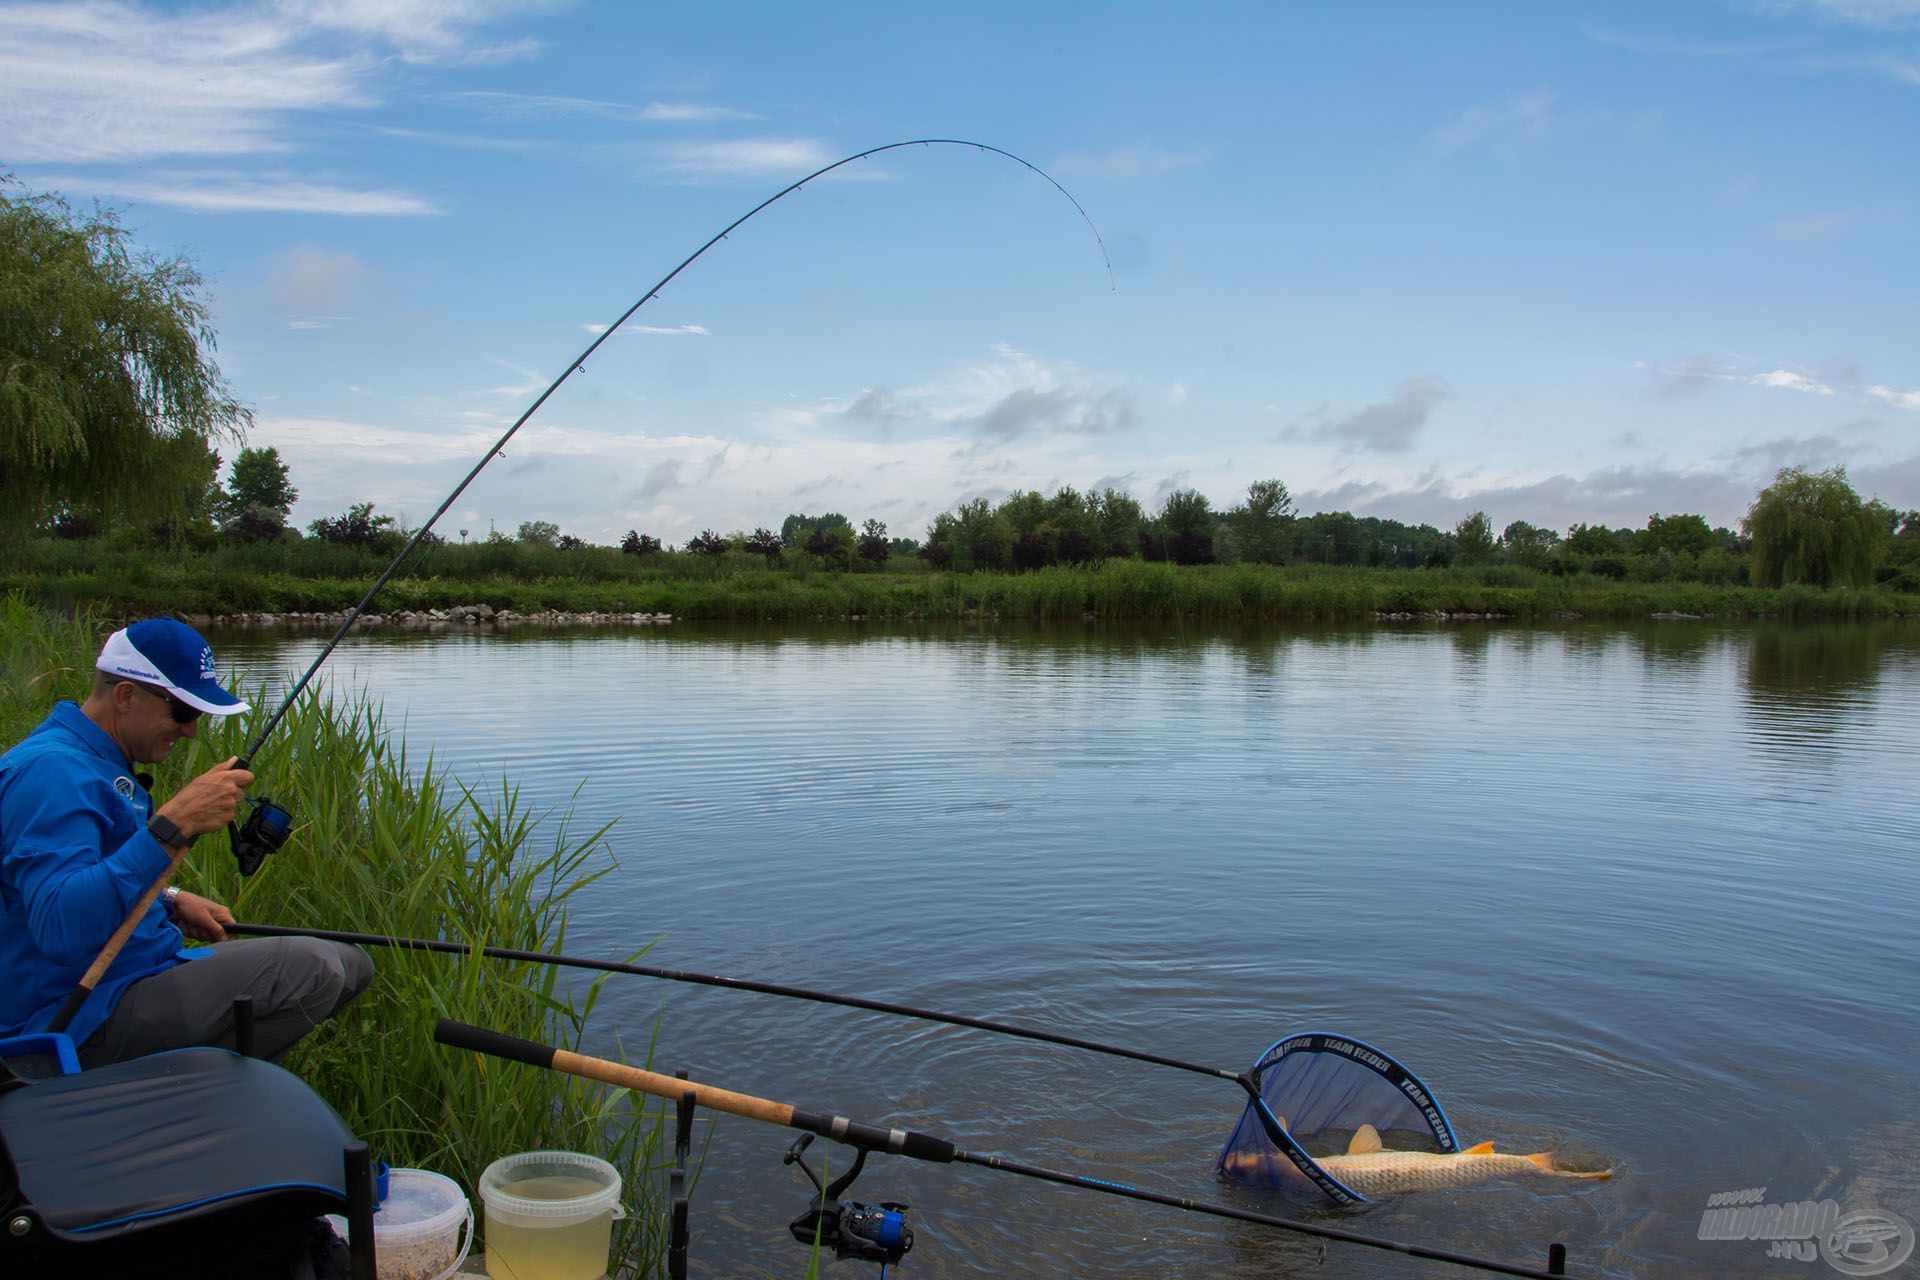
109	396
1811	527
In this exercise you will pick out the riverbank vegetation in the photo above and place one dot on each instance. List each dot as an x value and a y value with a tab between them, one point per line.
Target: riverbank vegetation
394	846
287	577
1810	547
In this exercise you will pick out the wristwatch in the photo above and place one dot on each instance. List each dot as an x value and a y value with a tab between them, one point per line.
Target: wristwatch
167	832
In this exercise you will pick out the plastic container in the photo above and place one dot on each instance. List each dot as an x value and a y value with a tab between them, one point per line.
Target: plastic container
549	1215
423	1229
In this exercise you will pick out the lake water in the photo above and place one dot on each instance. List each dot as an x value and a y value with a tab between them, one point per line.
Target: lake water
1648	894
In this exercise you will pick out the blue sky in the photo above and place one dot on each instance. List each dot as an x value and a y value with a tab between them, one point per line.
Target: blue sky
1555	261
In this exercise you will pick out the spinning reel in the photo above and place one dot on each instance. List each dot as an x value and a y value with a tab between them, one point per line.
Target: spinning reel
870	1233
265	831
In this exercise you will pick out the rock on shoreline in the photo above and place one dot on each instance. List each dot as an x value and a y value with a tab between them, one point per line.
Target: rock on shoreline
459	616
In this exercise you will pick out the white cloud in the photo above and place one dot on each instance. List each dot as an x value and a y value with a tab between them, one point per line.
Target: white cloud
419	30
1900	399
661	477
107	81
1005	422
609	481
1698	372
786	421
463	141
111	82
1522	118
742	157
1011	395
1787	380
1059	409
533	104
1616	496
677	330
692	111
237	193
674	483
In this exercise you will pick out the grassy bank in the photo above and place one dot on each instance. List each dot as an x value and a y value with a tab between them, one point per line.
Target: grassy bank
737	588
384	846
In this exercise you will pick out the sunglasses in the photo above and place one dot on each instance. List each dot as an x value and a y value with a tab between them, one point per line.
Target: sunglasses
180	711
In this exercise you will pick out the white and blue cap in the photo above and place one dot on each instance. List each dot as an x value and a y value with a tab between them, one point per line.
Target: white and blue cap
172	656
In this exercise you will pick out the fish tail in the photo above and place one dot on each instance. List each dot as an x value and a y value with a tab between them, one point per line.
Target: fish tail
1544	1161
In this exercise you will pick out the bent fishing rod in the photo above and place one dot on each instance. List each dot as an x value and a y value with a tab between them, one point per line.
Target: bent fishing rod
920	1146
1245	1080
579	363
268	825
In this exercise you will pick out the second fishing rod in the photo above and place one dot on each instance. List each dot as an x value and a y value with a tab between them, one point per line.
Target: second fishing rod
1243	1080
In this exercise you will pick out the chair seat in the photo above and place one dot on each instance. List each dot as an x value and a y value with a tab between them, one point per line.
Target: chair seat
167	1139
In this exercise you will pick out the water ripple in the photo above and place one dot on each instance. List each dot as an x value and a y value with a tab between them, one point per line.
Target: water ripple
1646	893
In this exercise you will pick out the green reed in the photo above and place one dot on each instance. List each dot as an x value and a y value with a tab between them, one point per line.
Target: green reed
386	844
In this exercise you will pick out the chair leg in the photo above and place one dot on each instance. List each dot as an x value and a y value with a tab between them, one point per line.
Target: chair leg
360	1208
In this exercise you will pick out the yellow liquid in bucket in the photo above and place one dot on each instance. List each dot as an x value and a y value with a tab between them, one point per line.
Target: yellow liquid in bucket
561	1251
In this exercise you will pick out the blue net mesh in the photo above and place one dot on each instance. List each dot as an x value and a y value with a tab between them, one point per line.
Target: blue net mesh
1317	1090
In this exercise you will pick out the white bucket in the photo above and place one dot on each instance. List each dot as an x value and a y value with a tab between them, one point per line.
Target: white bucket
418	1230
549	1215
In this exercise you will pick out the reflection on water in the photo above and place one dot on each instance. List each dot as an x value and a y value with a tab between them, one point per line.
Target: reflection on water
1805	664
1644	892
1814	690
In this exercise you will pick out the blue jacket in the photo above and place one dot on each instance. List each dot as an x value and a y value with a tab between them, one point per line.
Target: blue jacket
74	858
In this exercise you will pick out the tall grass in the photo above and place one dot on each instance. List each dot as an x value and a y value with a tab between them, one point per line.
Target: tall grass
393	846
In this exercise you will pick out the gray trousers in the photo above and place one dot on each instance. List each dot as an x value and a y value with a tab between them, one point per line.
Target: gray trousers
296	984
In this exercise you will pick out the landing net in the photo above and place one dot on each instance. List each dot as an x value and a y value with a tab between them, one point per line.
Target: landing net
1320	1089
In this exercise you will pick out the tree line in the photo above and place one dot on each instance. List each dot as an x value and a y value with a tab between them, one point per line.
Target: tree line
1806	527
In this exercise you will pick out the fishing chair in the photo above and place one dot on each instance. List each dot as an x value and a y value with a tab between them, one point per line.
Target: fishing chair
192	1163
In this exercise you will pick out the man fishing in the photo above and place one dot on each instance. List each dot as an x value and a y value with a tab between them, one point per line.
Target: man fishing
81	842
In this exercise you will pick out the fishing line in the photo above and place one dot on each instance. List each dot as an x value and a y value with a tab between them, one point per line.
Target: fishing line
914	1145
579	362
